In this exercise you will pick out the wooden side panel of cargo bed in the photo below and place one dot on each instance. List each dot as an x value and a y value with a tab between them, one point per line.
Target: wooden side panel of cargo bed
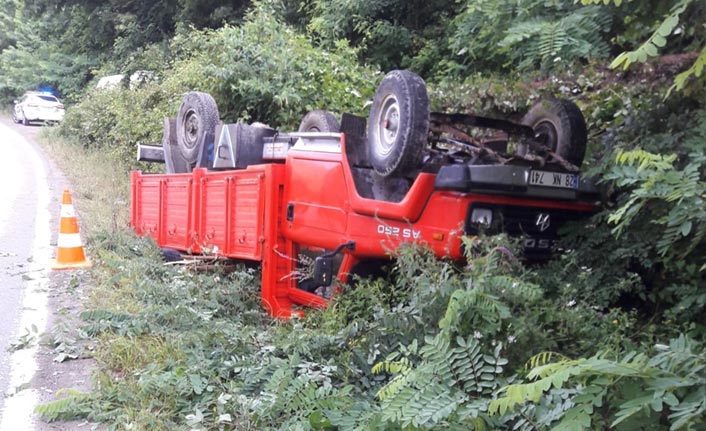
175	226
146	198
231	213
161	208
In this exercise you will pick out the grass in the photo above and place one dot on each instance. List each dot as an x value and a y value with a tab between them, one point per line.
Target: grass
100	187
101	195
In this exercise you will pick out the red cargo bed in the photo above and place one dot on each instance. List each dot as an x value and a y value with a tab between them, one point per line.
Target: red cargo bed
216	212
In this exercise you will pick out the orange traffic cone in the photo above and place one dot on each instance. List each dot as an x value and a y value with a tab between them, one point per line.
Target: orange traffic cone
69	254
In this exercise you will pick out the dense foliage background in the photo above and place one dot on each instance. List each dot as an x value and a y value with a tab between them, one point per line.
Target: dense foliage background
608	335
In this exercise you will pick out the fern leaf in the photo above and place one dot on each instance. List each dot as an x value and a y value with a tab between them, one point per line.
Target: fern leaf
394	387
575	419
628	409
392	367
544	358
552	40
650	48
73	405
696	70
522	31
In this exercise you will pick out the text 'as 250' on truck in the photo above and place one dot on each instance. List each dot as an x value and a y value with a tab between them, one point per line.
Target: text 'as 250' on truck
340	195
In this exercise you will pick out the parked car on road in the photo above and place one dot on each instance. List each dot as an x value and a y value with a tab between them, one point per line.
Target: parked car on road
38	106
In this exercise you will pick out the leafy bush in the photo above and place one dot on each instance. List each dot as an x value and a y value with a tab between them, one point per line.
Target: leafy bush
524	34
635	391
264	71
200	352
113	121
260	71
387	33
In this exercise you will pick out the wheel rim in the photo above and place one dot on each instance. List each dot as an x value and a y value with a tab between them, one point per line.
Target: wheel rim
388	123
192	125
546	133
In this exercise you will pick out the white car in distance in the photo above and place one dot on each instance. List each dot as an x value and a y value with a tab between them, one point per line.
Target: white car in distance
38	106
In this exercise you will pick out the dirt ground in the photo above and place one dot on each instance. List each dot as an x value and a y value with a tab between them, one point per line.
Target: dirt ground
63	359
65	304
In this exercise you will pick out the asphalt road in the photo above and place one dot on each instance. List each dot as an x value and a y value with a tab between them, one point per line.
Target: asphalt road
29	186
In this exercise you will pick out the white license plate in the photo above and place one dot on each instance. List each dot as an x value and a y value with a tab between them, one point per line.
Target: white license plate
553	179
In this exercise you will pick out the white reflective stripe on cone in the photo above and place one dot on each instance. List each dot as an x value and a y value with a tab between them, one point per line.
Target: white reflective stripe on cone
69	240
67	211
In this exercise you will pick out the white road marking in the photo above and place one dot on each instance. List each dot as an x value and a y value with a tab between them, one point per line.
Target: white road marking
19	406
12	177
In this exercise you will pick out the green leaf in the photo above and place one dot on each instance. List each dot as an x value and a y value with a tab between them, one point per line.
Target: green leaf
667	26
685	228
670	399
651	50
659	40
621	59
197	383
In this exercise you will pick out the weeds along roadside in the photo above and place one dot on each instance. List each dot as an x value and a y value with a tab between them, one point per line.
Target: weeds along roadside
100	186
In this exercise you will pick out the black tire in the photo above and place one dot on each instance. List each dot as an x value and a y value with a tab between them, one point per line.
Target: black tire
196	125
171	255
398	125
319	121
560	126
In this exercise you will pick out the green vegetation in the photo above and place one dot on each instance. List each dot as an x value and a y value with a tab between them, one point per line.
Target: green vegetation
609	335
260	71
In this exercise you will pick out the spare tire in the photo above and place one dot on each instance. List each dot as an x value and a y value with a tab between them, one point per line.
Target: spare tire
196	125
319	121
559	125
398	125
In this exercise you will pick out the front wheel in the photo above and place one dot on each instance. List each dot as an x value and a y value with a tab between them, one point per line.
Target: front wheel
196	125
559	125
398	125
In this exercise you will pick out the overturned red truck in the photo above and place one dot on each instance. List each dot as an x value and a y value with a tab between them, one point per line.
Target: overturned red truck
333	198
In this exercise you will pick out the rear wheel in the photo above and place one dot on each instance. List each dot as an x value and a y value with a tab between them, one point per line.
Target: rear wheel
196	125
559	125
398	124
319	121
